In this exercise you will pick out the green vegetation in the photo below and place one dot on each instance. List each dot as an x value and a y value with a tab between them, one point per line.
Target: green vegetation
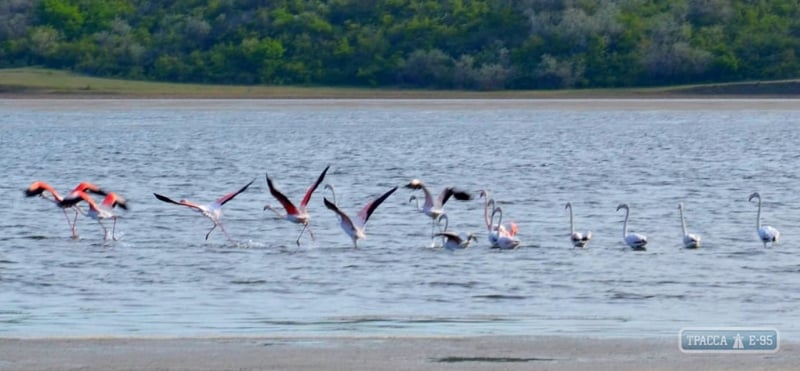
427	44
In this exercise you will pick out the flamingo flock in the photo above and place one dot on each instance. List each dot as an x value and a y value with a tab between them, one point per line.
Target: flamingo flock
499	235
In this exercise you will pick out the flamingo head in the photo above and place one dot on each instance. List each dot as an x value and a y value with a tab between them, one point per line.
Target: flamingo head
484	193
754	195
623	206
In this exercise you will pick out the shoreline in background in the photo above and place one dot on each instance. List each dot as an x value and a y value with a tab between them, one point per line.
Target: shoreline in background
374	353
38	83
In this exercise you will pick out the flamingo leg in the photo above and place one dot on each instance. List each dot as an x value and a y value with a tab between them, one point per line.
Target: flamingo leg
222	227
113	229
71	224
211	230
105	230
301	233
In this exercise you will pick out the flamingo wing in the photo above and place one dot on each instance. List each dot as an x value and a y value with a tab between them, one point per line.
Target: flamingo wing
78	197
367	210
39	187
222	200
332	206
113	199
288	205
313	187
181	203
89	187
452	192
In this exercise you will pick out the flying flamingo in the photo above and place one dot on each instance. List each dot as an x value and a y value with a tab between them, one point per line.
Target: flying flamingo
452	240
38	188
99	212
635	240
578	239
211	211
766	233
506	237
690	241
295	214
434	208
354	227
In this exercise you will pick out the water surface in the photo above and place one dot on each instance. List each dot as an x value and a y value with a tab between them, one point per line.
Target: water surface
162	278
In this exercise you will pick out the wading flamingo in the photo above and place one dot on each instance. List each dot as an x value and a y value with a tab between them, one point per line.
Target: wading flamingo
635	240
452	240
99	212
506	236
298	215
38	188
690	241
765	233
355	227
211	211
578	239
434	208
489	204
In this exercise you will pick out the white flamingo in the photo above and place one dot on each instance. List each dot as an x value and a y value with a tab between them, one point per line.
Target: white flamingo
765	233
297	215
211	211
489	204
578	239
506	237
354	227
434	208
690	241
452	240
635	240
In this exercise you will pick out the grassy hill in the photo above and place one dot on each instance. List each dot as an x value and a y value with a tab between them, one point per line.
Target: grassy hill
45	83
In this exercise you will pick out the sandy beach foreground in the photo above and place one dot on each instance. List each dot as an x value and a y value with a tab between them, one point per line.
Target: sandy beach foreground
373	353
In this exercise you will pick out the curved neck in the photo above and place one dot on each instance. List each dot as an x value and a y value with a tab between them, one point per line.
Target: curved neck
498	210
446	222
683	221
333	192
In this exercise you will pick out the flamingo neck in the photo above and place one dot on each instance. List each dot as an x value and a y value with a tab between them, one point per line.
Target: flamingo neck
571	225
683	222
758	216
625	224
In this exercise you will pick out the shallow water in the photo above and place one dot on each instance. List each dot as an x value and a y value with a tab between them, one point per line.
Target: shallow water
162	278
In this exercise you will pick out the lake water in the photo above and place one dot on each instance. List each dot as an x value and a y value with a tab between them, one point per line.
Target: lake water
161	278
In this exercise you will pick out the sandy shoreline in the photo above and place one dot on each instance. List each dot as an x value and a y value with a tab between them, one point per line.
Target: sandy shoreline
373	353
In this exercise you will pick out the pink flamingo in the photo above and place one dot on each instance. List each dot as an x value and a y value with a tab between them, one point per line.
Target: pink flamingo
354	227
38	188
298	215
99	212
211	211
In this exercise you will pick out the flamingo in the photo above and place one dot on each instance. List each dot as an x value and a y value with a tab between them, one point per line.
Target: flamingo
295	214
211	211
635	240
690	241
578	239
355	228
434	208
766	233
38	188
452	240
489	204
99	212
506	237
